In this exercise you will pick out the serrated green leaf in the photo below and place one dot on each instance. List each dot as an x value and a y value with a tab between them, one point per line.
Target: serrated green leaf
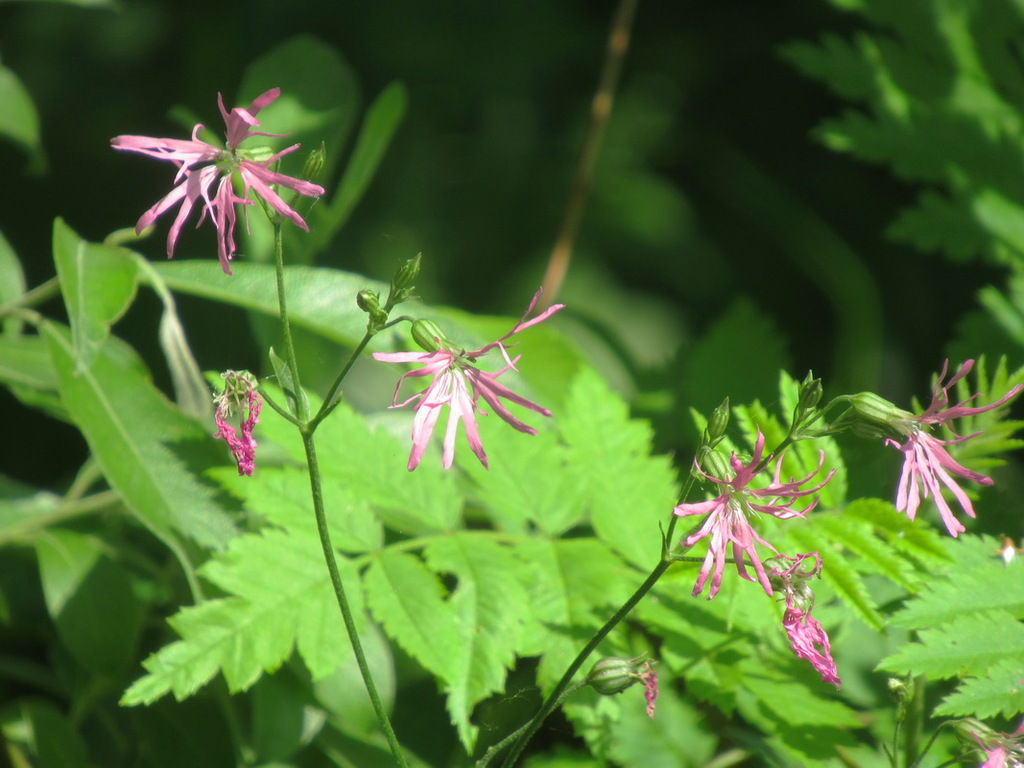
282	598
530	481
409	601
489	607
631	491
992	585
98	284
916	541
571	585
841	574
281	496
996	693
967	645
143	444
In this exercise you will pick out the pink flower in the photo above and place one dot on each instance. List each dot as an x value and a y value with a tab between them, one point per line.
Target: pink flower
1003	750
727	520
650	679
806	635
200	165
239	395
927	466
459	385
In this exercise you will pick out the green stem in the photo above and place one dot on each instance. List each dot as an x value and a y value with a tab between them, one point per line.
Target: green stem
306	428
301	411
557	694
339	590
329	402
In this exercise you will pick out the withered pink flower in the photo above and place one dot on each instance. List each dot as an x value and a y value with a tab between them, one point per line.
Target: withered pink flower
927	466
729	513
239	397
202	165
459	384
806	635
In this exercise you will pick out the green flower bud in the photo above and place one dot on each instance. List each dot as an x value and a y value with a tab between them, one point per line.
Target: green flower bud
876	417
428	335
613	674
716	464
314	163
368	301
810	394
718	422
402	284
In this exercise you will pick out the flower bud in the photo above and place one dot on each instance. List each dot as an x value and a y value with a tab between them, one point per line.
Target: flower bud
368	301
314	163
902	692
428	335
810	394
612	674
716	465
402	284
876	417
717	423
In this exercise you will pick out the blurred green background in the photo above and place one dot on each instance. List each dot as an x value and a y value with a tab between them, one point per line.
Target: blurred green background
713	207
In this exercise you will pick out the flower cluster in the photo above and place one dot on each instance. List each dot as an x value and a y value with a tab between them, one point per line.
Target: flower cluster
239	397
202	165
728	516
806	635
1002	750
458	384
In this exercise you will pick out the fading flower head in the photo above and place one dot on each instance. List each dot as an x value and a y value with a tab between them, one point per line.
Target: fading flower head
927	465
241	400
728	516
459	384
806	635
207	173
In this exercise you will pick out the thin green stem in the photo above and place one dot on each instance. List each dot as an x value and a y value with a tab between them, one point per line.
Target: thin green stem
556	696
301	409
496	749
306	428
329	402
339	590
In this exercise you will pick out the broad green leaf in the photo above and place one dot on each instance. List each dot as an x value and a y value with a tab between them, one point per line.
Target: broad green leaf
25	361
143	444
47	735
19	120
12	284
379	126
971	643
23	516
321	300
918	542
281	598
90	598
630	491
98	284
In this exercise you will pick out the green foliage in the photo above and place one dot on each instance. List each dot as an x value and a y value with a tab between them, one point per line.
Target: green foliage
968	626
19	120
